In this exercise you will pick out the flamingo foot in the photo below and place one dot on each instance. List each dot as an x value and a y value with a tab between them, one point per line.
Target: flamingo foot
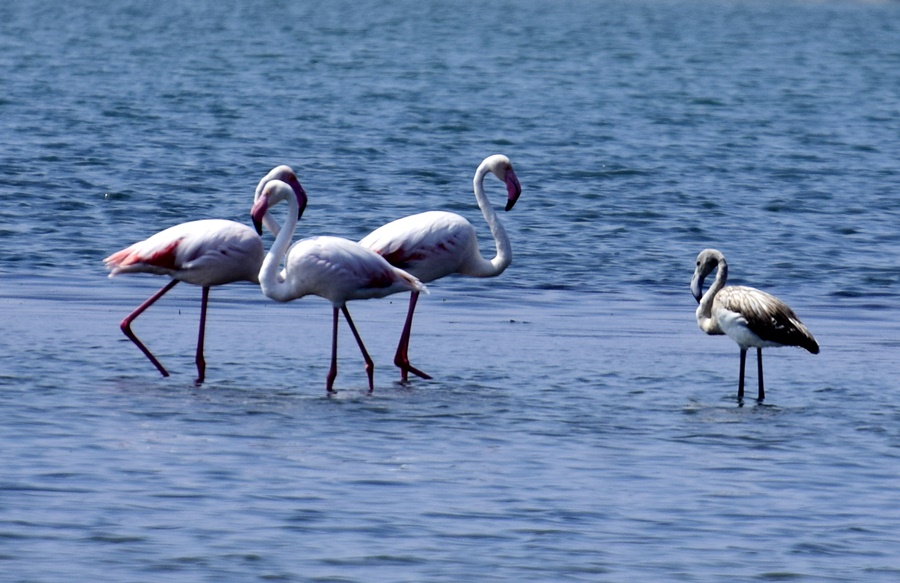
329	380
406	368
370	366
201	370
370	372
126	328
125	325
401	357
401	361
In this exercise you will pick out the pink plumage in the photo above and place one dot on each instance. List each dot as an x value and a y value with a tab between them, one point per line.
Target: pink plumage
435	244
206	253
333	268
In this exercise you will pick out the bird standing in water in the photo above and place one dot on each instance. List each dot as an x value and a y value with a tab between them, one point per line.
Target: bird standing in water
435	244
333	268
747	315
207	253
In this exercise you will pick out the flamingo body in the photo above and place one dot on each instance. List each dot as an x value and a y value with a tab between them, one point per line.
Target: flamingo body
208	252
435	244
750	317
754	318
338	270
428	245
333	268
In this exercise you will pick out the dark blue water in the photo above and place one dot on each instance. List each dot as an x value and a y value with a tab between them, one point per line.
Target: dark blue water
580	427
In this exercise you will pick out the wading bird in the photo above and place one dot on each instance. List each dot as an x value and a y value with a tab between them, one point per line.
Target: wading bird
333	268
206	253
435	244
747	315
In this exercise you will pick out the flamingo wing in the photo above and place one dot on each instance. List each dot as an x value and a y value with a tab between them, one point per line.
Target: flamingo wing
766	316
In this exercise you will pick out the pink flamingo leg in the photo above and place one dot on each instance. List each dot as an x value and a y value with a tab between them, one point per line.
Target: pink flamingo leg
370	366
401	358
332	372
126	325
201	362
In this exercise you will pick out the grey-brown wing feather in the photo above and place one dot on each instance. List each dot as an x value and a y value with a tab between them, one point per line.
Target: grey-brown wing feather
767	316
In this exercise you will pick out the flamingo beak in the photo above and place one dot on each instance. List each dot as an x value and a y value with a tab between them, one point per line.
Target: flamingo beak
260	207
697	286
513	188
291	180
301	198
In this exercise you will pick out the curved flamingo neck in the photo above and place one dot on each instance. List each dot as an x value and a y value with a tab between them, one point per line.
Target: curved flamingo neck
270	280
503	258
704	311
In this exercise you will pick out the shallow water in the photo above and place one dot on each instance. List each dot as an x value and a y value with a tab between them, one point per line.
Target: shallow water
579	427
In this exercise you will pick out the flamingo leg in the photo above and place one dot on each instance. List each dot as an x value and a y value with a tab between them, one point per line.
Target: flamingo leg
759	372
741	378
370	366
201	362
332	372
126	325
401	358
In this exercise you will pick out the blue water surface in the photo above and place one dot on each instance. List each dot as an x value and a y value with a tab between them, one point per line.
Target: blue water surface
580	427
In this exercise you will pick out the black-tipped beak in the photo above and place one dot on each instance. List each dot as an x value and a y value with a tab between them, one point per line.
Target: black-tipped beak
299	193
258	212
697	287
513	189
301	200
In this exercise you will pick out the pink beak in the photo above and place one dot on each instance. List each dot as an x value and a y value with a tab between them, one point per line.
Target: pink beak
513	188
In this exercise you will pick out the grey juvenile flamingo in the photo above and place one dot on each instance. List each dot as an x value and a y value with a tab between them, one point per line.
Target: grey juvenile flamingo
747	315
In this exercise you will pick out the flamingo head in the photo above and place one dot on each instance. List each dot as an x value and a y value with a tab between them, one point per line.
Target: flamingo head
283	173
273	192
707	261
500	166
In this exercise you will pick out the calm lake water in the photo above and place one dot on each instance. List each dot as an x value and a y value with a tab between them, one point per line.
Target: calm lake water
580	427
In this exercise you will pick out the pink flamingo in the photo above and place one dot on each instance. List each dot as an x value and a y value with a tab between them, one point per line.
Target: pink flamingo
336	269
434	244
207	253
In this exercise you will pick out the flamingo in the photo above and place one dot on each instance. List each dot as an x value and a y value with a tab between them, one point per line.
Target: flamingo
332	268
747	315
207	253
435	244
